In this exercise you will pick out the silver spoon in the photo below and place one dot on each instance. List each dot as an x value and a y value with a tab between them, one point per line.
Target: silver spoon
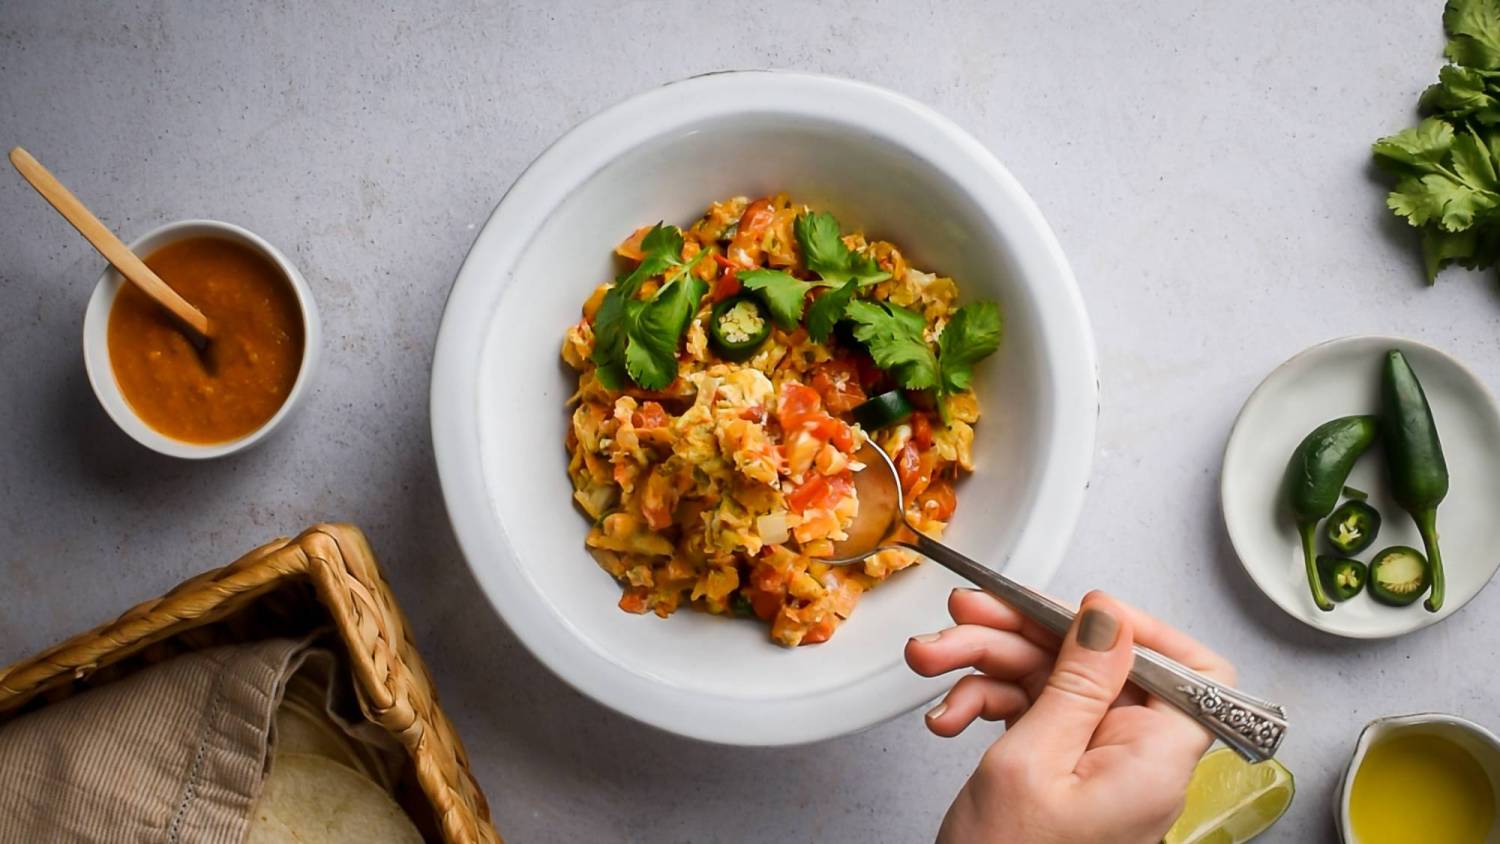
1253	727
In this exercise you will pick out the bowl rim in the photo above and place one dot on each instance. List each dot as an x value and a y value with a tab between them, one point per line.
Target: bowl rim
1067	431
1237	432
101	375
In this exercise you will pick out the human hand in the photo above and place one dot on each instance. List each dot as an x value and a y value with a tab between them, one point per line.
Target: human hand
1084	758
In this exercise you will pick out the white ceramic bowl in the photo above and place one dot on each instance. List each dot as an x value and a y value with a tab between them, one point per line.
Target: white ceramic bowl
1341	378
881	163
102	374
1478	741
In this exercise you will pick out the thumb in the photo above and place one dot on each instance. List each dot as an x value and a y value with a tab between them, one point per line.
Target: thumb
1089	673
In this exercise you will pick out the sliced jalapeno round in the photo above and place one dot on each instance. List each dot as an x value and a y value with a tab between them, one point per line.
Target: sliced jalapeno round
738	326
1342	577
1352	527
1399	576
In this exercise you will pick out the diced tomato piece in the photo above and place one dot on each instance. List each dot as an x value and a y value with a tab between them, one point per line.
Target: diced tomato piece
838	489
726	286
798	402
938	501
649	415
921	430
634	600
765	604
837	381
914	466
810	491
754	413
843	438
821	631
757	218
820	491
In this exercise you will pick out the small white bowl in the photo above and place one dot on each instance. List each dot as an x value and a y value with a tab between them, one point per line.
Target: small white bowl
1342	378
1479	742
102	373
881	163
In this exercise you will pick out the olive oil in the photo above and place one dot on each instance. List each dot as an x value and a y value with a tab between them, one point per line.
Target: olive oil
1421	788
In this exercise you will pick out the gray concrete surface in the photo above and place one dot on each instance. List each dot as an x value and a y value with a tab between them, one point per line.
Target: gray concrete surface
1205	166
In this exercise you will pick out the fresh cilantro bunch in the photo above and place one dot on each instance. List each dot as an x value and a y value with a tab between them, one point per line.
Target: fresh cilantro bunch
638	337
1447	168
837	266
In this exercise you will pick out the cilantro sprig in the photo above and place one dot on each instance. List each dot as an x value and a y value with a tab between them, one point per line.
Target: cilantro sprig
1447	168
637	338
837	266
896	340
824	252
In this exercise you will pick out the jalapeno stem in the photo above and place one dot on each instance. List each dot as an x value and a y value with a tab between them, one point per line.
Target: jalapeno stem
1427	526
1309	531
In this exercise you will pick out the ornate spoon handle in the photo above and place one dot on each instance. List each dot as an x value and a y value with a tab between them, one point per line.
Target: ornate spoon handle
1253	727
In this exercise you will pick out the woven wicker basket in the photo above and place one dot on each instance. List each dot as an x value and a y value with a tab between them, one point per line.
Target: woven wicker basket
285	588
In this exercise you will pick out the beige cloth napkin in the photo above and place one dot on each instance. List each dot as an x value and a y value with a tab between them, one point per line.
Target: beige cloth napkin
175	753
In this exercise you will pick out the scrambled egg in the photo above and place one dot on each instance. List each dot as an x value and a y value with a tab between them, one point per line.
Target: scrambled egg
724	489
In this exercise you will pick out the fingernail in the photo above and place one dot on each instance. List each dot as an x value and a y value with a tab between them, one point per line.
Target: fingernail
937	711
969	589
927	638
1097	630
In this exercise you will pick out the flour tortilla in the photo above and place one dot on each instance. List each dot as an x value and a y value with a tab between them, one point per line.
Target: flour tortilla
313	800
300	729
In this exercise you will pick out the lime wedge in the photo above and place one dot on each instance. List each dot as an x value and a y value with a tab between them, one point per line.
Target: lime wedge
1230	801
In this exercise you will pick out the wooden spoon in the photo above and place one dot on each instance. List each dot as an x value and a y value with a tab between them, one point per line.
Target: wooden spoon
111	247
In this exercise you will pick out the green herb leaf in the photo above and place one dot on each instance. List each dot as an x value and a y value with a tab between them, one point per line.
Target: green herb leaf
1420	148
1472	161
1474	32
1460	93
828	309
783	293
1440	248
639	338
824	252
894	338
655	329
661	249
972	334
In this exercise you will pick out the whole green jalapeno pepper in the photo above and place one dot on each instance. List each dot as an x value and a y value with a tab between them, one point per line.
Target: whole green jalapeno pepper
1315	477
1414	455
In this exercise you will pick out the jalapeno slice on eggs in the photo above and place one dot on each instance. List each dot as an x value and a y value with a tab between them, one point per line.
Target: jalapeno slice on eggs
738	326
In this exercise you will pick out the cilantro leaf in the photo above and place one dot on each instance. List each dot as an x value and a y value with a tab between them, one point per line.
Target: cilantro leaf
1461	92
972	334
1474	32
828	309
894	338
639	338
655	328
1421	147
1472	161
661	249
824	252
784	294
1439	248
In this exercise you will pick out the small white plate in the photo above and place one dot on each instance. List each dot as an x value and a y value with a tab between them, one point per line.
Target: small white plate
1342	378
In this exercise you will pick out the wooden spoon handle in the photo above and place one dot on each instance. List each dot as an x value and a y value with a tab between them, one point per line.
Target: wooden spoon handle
111	247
